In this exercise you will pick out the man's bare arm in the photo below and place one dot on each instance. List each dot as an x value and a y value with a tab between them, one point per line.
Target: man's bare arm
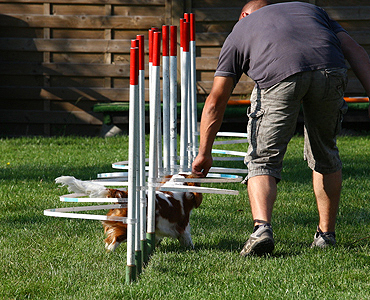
211	121
357	58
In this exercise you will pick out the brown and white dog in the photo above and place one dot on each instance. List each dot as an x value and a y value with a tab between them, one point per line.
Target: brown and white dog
172	209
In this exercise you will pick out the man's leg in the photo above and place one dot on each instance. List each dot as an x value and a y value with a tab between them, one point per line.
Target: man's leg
323	108
262	194
272	120
327	188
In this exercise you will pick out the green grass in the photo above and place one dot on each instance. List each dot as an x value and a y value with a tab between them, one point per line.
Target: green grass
55	258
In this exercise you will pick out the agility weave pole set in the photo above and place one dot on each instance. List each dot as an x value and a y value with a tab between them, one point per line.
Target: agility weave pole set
163	159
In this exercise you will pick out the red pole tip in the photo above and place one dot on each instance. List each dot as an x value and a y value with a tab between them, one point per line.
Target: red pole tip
134	66
173	41
156	48
186	30
140	38
150	45
187	17
165	40
135	43
192	27
181	31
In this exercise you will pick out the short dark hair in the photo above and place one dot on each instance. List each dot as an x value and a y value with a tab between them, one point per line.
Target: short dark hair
257	4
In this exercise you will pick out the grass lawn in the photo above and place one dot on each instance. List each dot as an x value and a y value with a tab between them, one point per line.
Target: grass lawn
55	258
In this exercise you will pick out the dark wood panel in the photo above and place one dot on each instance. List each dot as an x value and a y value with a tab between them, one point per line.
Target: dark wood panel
81	21
51	117
67	93
66	45
90	2
65	69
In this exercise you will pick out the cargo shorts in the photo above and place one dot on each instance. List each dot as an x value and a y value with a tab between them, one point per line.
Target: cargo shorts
273	117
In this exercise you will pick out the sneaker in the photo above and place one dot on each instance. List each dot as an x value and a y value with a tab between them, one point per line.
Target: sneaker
260	242
323	239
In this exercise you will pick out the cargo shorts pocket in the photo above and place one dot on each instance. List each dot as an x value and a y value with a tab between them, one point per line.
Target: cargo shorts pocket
336	82
255	118
342	111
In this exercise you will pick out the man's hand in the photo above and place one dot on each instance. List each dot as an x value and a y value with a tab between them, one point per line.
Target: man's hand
201	165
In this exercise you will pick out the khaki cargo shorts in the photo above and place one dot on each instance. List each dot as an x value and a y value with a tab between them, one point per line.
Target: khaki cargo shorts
273	116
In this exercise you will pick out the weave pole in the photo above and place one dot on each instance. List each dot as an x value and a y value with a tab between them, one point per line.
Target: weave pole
193	86
137	142
189	122
132	171
185	57
141	149
166	99
153	141
173	99
159	123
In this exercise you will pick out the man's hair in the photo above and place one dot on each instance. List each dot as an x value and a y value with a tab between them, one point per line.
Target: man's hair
255	4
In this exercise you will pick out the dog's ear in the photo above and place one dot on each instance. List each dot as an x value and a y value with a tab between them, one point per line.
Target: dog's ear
114	193
165	179
197	199
192	176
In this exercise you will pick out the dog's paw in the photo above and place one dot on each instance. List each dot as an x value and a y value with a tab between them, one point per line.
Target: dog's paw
112	246
186	241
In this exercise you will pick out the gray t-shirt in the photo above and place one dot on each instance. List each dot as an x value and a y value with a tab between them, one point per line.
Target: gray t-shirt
280	40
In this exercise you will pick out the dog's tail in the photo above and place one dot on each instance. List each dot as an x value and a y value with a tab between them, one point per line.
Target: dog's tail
91	189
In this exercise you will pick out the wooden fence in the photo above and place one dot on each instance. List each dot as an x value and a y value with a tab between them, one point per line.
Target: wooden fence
60	57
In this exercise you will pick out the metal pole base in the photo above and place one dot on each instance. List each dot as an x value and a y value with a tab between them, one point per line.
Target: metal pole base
144	251
139	261
150	236
130	274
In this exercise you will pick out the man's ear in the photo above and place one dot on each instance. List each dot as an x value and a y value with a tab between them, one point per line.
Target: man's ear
243	14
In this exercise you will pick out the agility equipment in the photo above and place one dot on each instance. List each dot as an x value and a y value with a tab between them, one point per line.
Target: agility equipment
141	179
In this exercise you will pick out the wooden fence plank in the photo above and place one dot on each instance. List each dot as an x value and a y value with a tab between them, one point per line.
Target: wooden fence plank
81	21
102	2
51	117
67	45
67	93
65	69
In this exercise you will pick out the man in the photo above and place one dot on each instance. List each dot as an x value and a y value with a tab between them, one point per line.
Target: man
295	54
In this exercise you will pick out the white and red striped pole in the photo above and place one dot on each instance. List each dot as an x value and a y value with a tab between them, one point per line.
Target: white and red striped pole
153	140
150	41
193	86
173	99
151	95
141	149
159	128
166	98
184	35
132	169
136	124
189	122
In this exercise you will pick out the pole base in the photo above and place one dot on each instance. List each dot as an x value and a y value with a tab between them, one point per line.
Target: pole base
144	251
139	261
150	237
130	274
